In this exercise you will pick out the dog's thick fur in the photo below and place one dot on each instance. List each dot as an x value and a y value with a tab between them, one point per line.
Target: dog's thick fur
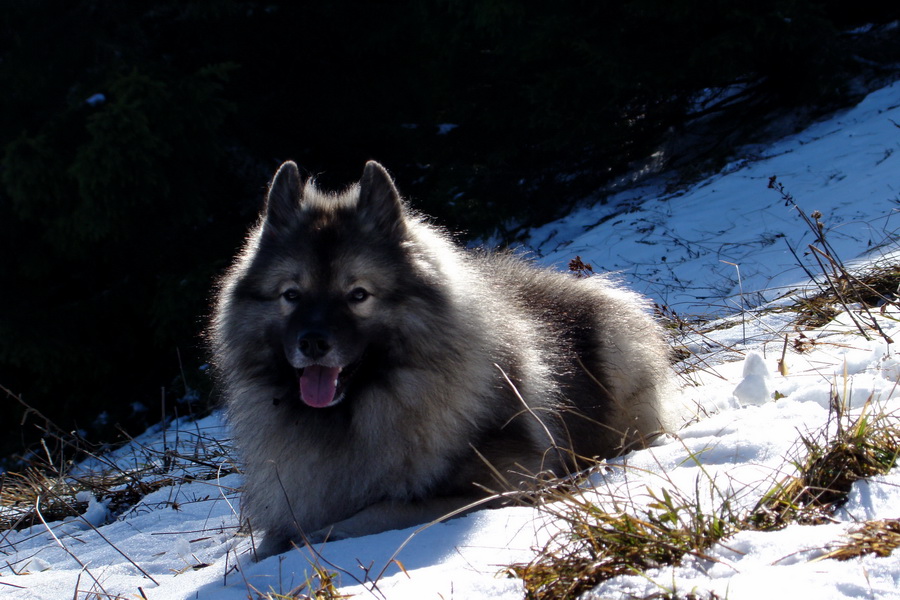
376	376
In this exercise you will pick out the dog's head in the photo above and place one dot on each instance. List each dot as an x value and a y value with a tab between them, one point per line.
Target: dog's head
334	277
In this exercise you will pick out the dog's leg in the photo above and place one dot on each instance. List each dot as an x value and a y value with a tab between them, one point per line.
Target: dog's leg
388	515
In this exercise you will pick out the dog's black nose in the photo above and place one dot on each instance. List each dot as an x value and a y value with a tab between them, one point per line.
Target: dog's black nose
314	344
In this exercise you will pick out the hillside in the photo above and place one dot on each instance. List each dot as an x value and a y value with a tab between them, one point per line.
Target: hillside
776	343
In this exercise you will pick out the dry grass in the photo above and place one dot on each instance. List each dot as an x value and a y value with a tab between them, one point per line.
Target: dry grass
880	537
840	290
53	486
20	491
56	497
853	449
54	493
49	482
675	595
869	292
319	586
596	545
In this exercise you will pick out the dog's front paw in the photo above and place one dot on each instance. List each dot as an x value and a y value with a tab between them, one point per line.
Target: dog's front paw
331	533
271	545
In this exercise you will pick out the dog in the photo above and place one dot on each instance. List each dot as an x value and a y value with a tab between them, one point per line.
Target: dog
376	376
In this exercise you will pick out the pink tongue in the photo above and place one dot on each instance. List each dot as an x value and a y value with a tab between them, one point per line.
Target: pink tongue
317	385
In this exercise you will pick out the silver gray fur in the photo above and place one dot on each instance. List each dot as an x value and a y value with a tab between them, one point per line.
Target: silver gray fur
426	335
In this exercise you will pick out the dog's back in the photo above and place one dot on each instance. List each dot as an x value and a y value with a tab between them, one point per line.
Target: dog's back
595	340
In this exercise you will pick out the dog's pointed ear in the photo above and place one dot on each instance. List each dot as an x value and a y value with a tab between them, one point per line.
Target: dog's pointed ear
283	197
380	206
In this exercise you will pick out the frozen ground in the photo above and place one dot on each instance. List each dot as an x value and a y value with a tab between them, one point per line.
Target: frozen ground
685	250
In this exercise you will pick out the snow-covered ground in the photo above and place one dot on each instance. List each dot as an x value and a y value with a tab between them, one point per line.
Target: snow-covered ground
681	247
706	249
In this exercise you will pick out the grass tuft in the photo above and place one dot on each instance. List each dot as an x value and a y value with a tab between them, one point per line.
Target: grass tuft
321	585
596	545
854	449
19	493
675	595
872	537
57	493
872	290
50	487
840	291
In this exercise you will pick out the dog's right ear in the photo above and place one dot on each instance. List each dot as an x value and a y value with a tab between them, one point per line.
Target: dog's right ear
380	207
284	196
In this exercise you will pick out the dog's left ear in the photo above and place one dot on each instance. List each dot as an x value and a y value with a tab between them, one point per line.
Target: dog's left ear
283	197
380	206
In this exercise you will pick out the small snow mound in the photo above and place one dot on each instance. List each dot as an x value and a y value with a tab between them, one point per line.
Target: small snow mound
96	513
36	565
755	388
890	368
182	547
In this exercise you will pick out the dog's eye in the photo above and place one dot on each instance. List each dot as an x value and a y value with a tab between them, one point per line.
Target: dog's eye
358	295
291	295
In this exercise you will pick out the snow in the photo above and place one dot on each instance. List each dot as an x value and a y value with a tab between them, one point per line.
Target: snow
710	248
756	386
680	247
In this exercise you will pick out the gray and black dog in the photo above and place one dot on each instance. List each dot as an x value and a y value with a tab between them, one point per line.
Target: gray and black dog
376	376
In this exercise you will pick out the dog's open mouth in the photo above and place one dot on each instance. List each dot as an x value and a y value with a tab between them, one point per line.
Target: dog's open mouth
321	386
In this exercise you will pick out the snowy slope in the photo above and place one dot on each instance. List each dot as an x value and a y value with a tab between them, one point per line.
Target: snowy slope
676	246
180	541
